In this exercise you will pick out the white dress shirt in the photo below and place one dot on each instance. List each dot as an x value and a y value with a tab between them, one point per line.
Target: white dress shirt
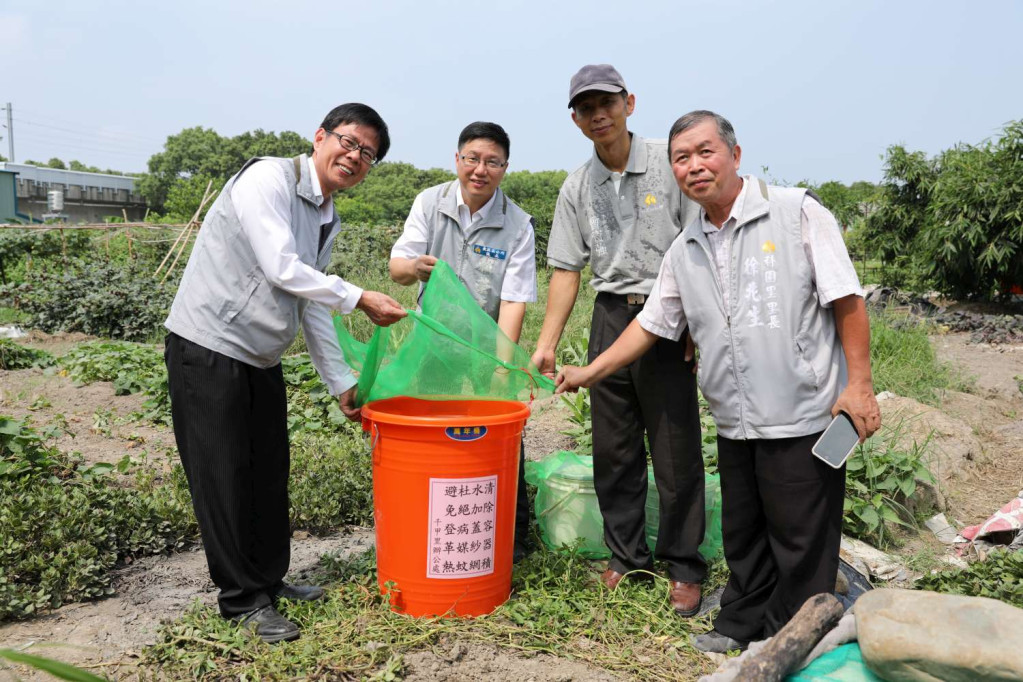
262	200
830	267
519	283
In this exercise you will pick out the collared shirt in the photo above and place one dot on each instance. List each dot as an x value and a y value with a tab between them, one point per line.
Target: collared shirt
833	273
262	200
623	231
519	284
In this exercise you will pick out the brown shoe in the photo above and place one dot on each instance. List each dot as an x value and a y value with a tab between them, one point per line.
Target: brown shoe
610	578
685	598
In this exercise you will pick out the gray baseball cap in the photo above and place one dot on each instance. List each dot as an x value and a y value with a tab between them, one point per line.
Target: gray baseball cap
602	77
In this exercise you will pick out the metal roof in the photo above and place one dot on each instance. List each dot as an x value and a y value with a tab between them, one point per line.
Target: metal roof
69	177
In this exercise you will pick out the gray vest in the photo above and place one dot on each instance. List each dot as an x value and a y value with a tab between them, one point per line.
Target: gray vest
479	257
224	302
773	368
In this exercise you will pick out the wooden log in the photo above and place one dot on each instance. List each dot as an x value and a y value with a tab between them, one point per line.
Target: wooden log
818	615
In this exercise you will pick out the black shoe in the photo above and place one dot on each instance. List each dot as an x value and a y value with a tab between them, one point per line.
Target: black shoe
300	592
268	624
714	642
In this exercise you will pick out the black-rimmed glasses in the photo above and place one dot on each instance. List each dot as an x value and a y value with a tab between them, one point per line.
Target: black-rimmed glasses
352	145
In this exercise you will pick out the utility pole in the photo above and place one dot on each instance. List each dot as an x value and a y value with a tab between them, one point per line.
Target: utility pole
10	132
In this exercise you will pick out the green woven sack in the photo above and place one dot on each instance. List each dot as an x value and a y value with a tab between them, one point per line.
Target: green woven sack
449	350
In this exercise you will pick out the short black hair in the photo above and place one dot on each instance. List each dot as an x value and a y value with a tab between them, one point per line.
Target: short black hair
484	130
363	115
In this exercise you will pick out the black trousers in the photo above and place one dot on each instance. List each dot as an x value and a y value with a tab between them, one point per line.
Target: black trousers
655	396
230	423
522	502
781	522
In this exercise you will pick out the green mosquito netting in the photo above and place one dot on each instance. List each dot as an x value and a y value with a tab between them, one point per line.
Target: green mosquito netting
450	350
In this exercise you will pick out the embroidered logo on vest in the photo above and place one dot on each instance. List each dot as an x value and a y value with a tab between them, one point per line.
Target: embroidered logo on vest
489	252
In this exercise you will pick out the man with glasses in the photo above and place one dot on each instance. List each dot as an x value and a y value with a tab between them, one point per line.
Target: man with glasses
255	274
471	225
620	212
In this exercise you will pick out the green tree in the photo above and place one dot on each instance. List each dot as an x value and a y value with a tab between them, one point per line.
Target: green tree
537	194
386	195
973	244
201	151
953	222
56	163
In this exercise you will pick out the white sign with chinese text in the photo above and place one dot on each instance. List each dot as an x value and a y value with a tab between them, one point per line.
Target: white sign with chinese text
463	520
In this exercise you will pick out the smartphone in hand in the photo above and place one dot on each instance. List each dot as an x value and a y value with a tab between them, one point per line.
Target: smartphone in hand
837	442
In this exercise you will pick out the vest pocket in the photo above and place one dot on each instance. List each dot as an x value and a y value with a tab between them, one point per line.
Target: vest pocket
231	307
805	366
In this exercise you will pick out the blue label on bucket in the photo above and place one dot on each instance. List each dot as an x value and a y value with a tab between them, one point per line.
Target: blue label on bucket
465	433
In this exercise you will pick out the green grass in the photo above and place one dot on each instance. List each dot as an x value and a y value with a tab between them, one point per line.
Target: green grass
903	360
557	607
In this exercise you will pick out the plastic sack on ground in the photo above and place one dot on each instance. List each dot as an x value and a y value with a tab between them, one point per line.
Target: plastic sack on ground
844	664
712	544
450	349
567	511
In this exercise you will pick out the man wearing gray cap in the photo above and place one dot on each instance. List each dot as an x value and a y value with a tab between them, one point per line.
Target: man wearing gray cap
620	211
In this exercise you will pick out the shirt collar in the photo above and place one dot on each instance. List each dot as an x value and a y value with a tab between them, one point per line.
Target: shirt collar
733	215
484	209
636	164
314	181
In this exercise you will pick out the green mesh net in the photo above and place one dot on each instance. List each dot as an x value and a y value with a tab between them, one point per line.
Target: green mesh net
449	350
568	514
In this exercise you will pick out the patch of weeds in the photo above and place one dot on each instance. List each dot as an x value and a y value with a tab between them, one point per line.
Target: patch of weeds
15	356
557	607
64	524
40	402
903	361
331	482
999	576
131	367
311	408
880	476
102	421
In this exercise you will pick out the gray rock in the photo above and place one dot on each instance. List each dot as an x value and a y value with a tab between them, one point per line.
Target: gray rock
917	636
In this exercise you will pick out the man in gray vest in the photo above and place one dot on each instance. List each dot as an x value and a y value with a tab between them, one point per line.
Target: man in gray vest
763	281
255	274
471	225
620	212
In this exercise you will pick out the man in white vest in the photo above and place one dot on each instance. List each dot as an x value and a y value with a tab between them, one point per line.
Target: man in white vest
764	283
255	275
487	240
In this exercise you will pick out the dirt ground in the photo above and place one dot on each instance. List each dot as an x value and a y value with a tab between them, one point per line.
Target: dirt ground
107	636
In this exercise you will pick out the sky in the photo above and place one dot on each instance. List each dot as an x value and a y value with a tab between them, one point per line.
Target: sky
816	90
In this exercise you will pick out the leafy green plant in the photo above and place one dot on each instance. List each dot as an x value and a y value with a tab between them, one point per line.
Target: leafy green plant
880	476
131	367
999	576
14	356
112	301
310	406
64	524
331	481
61	671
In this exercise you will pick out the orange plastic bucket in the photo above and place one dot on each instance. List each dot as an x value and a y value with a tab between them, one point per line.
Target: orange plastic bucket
445	477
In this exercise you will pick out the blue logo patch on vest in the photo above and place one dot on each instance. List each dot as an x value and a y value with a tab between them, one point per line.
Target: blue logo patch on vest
489	251
465	433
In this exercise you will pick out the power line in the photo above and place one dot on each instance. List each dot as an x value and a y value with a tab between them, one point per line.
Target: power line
77	135
78	128
68	138
43	140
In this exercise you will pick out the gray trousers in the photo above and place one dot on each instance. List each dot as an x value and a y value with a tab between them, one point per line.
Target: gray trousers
653	397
